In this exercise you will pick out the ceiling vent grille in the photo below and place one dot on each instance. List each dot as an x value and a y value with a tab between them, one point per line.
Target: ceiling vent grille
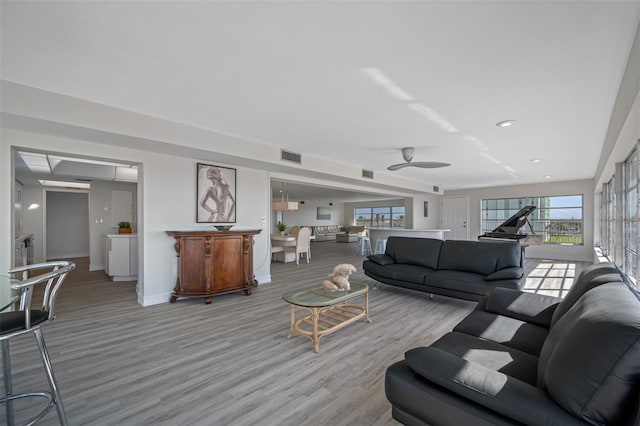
436	188
367	174
290	156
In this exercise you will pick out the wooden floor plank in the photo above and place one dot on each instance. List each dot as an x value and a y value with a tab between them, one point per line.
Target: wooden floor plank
230	362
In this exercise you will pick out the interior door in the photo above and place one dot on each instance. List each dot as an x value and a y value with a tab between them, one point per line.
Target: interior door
455	216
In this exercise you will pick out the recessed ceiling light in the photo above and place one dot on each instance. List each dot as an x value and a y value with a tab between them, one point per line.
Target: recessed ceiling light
535	160
505	123
547	176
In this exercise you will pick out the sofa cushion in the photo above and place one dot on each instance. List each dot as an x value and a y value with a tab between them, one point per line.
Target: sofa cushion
409	273
480	258
510	397
418	401
589	278
464	281
530	307
495	356
507	331
513	273
414	251
590	362
381	259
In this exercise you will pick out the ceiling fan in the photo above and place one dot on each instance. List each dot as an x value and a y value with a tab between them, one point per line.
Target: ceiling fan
407	154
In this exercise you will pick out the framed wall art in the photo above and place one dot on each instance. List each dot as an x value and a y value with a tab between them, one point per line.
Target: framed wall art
216	190
323	213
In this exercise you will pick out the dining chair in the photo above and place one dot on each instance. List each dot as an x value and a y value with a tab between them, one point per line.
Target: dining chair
28	319
302	244
276	249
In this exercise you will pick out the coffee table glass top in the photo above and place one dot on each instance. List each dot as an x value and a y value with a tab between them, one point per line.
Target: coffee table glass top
317	296
8	296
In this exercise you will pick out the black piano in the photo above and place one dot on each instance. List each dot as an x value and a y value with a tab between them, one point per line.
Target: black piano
510	228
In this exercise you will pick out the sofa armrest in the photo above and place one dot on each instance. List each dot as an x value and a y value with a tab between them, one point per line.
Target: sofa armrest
529	307
381	259
512	273
497	391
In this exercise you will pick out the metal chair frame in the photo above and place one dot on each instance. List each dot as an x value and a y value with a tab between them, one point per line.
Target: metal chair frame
54	280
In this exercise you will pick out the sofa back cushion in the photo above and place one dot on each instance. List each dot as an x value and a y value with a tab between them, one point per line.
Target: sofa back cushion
480	257
414	251
589	278
590	361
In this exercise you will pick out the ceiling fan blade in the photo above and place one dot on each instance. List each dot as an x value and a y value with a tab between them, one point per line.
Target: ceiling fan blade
398	166
428	164
420	164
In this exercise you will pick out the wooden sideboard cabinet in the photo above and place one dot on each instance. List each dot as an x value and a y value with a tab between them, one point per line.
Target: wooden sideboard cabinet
213	262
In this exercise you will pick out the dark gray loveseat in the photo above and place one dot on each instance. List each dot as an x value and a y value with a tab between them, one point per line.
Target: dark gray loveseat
523	358
463	269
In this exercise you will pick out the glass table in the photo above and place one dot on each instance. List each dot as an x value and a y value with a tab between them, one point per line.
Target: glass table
8	295
329	310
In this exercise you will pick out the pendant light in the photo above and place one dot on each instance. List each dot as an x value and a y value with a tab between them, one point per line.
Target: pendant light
284	205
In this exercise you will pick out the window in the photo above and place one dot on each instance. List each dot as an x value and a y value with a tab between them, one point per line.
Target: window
619	203
380	217
630	219
558	219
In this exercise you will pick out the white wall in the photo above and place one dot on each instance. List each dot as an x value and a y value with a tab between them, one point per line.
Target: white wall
546	251
433	220
167	200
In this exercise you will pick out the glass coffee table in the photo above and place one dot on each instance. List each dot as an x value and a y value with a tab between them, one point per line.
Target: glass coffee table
329	310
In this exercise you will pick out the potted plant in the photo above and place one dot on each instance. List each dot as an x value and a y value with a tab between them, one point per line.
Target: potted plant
124	227
282	227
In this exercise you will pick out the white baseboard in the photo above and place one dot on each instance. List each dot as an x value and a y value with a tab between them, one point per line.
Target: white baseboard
154	300
264	279
124	278
98	267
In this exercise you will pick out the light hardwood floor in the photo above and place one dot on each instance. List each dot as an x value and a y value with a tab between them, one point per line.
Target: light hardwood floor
230	363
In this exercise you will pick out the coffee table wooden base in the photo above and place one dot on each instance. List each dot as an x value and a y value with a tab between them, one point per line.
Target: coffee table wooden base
323	321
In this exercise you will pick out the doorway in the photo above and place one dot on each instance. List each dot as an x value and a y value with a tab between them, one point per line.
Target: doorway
66	224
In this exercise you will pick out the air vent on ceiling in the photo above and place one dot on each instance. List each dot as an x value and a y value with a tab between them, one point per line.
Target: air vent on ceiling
436	188
367	174
83	180
290	156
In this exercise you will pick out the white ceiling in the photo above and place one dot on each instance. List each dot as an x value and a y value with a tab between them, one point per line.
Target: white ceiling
298	75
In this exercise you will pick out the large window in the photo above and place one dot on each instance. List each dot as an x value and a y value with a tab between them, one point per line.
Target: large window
609	231
380	217
558	219
619	233
630	219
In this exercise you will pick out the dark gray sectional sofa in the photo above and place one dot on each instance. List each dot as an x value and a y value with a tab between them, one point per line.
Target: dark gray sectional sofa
463	269
523	358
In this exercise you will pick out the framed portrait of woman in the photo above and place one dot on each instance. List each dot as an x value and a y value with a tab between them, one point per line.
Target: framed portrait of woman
216	190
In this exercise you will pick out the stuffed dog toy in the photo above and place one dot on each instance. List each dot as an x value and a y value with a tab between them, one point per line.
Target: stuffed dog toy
339	278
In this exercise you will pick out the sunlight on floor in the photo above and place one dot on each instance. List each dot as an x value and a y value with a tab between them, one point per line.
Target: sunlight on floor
553	278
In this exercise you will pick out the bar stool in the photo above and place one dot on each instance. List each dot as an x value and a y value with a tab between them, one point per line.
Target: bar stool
28	320
381	246
364	245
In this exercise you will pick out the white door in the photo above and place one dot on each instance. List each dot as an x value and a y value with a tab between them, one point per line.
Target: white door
454	216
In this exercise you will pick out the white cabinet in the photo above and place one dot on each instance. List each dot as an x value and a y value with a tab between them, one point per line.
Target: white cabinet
121	256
